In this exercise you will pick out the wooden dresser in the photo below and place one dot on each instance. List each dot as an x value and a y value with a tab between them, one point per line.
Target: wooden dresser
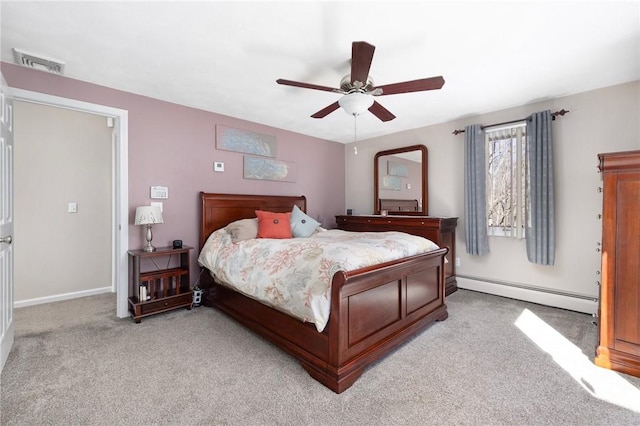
440	230
619	311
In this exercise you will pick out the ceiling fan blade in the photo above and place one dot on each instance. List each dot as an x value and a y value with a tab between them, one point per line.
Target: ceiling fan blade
381	112
361	57
326	111
432	83
307	85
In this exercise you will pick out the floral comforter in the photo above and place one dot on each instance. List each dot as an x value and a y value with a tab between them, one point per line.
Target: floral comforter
294	275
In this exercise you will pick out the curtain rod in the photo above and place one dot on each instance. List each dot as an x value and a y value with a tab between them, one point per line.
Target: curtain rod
562	112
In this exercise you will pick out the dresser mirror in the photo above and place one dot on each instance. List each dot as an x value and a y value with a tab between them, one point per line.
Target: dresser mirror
400	181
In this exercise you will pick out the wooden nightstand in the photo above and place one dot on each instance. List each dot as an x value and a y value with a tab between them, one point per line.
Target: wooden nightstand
165	281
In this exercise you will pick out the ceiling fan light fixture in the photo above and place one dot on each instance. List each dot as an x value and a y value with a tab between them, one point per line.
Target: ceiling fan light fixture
356	103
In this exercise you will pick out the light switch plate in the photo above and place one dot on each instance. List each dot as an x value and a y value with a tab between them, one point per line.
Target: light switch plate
218	166
73	207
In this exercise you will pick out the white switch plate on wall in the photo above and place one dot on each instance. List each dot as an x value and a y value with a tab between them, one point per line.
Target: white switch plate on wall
218	166
73	207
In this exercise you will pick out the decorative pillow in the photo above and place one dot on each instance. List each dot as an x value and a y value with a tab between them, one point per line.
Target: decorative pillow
243	229
302	225
273	225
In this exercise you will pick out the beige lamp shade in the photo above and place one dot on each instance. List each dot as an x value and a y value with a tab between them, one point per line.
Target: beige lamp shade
146	215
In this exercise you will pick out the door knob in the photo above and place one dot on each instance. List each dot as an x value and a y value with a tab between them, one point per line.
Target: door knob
6	239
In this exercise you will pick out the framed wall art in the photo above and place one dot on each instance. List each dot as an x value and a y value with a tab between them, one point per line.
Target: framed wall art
391	182
397	169
247	142
269	169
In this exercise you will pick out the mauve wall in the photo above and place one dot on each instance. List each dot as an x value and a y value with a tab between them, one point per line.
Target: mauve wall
174	146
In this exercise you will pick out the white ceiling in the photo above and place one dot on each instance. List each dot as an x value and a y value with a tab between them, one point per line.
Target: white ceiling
225	57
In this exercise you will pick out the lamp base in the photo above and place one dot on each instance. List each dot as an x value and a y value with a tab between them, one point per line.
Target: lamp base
149	236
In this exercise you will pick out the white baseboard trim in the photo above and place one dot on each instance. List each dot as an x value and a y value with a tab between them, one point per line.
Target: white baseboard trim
548	297
59	297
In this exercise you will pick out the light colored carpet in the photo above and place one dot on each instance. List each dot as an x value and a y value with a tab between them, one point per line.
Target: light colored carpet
74	362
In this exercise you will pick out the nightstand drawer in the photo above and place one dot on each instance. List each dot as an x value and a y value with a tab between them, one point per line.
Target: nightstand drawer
166	303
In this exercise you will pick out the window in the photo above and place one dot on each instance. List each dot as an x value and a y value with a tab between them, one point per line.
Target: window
506	180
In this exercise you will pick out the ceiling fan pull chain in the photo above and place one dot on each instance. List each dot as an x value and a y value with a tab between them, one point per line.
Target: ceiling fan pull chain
355	134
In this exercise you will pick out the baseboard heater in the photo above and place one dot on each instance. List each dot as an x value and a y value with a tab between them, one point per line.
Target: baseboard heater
544	296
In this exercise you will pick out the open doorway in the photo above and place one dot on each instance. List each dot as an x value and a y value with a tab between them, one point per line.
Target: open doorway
63	185
119	193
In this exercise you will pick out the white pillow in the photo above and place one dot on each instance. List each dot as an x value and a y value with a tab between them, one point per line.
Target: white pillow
302	225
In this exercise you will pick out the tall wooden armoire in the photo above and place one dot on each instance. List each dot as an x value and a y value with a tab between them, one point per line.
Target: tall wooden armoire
619	312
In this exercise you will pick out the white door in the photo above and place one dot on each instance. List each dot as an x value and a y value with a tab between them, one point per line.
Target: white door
6	223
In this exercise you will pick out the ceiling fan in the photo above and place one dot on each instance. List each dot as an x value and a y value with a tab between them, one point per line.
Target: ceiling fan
358	87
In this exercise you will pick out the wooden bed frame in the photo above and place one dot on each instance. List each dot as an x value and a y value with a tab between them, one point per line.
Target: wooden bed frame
373	310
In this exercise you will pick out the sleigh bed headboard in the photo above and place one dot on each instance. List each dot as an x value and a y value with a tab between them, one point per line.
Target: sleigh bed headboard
219	210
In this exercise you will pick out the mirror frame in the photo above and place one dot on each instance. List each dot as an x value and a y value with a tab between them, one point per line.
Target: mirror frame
376	177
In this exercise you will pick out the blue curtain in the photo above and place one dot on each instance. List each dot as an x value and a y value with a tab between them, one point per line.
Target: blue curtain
475	198
540	221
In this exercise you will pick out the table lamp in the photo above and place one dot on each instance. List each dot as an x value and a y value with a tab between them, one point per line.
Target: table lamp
148	215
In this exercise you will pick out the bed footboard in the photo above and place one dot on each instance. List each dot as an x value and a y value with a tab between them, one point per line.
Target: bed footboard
373	311
379	309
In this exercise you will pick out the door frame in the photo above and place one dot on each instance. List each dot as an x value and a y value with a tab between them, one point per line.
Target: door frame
120	221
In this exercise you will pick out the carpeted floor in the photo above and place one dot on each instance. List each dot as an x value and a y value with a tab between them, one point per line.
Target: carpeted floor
494	361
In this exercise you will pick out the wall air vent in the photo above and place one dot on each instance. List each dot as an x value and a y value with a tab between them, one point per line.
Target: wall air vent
38	62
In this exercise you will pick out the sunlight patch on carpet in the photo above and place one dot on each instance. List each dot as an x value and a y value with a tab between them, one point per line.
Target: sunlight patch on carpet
603	384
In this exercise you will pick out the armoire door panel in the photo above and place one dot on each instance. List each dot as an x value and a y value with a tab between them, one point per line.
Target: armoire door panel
627	321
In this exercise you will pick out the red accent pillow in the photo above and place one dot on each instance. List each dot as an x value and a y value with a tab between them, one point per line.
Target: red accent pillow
273	225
